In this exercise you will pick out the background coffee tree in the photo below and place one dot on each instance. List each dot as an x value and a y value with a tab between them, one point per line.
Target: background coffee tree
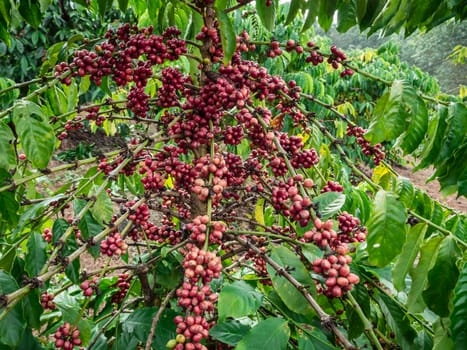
238	212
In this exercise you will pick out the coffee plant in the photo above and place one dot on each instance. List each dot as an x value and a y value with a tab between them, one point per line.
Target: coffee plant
238	213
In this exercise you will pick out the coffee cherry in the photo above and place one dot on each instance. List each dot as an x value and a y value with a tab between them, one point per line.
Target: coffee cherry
47	301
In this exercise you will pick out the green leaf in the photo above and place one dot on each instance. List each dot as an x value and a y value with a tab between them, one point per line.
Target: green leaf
418	124
398	322
410	251
314	340
58	229
390	116
272	333
34	210
13	325
327	8
459	313
36	255
329	203
123	5
7	152
229	332
31	12
69	307
102	210
5	7
36	134
386	229
294	7
267	14
346	15
139	323
441	338
103	5
455	133
9	208
238	299
312	12
228	37
405	190
419	274
88	226
356	326
291	297
32	309
436	128
442	278
29	341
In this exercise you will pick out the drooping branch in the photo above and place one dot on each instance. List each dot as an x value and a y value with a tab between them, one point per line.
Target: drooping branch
326	320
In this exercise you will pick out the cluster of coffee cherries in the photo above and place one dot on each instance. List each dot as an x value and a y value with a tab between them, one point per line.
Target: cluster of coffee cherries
275	49
123	284
215	48
367	148
332	186
92	113
336	271
113	245
286	198
89	287
47	235
196	297
350	229
322	234
199	229
47	301
67	337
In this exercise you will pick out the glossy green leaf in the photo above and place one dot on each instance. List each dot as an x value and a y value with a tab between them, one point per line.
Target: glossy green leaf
34	210
36	135
442	278
123	5
272	333
229	331
5	7
291	297
31	12
102	210
103	5
390	116
386	229
36	255
418	124
396	318
7	152
432	145
459	313
407	257
88	226
327	8
346	15
238	299
29	341
32	309
329	203
58	229
139	322
13	325
228	36
405	190
419	274
267	14
9	208
356	326
69	307
294	7
455	133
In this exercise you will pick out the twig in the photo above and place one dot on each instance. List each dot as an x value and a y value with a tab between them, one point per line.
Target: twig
326	320
156	318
